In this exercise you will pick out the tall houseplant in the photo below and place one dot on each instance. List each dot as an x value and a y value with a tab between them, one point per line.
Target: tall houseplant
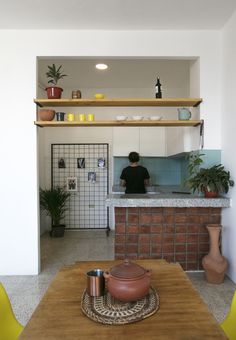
54	74
54	202
211	181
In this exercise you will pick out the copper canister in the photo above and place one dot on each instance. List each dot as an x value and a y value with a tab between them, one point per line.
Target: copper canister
95	282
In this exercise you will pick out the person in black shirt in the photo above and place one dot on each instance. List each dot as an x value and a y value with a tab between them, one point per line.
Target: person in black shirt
134	177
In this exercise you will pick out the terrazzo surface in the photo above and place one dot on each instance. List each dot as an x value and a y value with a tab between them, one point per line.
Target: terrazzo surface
164	200
25	292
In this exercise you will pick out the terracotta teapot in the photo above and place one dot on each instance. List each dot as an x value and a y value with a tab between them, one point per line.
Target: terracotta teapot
128	281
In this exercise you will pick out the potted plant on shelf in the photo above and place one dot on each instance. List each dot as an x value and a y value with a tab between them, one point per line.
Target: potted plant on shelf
54	74
54	202
210	181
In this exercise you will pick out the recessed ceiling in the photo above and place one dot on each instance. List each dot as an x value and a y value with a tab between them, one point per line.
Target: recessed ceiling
116	14
121	72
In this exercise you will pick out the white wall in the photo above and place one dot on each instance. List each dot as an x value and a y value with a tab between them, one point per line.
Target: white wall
19	49
18	199
229	138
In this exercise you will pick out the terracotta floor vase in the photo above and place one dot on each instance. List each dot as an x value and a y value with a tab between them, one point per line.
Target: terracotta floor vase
214	263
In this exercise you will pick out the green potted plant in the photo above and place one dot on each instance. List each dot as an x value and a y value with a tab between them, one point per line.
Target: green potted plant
54	202
54	74
210	181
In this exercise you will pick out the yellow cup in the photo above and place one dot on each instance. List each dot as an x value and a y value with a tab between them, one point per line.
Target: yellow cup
82	117
70	117
90	117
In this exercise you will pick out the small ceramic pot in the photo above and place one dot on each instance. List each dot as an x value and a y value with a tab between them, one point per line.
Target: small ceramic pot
60	116
54	92
76	94
128	281
46	114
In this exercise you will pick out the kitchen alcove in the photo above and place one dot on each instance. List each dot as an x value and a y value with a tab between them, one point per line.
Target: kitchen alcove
131	86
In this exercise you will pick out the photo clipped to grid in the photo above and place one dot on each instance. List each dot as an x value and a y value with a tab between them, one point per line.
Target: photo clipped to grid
83	170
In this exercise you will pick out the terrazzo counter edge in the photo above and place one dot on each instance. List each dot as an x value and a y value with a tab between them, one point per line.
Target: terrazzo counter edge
165	200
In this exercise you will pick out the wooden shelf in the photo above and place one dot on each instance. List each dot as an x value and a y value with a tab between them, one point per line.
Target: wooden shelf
167	102
54	123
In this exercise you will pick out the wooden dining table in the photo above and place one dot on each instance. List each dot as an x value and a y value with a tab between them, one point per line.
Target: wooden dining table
182	314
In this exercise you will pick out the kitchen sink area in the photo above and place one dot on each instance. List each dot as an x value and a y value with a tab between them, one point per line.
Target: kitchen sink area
150	190
153	190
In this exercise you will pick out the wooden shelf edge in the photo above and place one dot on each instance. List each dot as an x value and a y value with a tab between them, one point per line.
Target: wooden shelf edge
163	102
98	123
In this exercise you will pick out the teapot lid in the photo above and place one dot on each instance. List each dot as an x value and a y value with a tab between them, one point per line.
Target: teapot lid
127	270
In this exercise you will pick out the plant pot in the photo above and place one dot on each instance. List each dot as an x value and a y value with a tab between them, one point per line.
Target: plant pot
46	114
57	231
54	92
211	194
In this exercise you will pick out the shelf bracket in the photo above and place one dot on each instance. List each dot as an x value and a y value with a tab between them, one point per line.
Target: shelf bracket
202	134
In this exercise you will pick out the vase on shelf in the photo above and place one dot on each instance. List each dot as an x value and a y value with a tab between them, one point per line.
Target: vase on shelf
47	115
214	263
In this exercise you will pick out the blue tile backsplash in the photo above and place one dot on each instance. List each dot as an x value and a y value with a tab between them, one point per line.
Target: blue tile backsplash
166	170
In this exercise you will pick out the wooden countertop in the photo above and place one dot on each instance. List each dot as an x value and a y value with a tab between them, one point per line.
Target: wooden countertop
182	313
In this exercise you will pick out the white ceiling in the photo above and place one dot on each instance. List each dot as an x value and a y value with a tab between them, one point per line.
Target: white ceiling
116	14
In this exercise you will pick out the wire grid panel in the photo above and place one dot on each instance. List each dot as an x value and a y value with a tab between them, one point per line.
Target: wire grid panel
83	170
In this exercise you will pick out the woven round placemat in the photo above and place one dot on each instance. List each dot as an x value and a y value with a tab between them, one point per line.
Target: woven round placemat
107	310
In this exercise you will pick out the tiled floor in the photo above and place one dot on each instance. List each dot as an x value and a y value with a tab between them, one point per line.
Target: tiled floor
25	292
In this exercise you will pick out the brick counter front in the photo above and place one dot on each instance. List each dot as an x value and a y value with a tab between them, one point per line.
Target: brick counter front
174	234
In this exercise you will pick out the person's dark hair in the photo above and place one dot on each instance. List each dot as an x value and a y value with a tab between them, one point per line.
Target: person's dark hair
133	157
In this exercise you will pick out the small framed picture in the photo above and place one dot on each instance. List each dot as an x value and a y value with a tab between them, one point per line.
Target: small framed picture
101	163
92	177
61	163
71	184
81	163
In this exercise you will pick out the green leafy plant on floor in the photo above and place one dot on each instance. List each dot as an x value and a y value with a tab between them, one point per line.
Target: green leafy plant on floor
213	179
54	202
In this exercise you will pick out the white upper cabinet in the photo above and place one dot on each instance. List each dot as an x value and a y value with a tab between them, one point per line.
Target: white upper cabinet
182	140
125	140
152	141
148	141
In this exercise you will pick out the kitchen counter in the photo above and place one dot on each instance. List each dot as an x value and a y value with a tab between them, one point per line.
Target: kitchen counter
164	225
165	200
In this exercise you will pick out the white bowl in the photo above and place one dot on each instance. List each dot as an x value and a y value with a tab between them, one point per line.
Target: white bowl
121	118
137	117
155	117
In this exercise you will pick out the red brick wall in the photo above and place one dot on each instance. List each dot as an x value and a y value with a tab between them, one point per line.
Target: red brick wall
174	234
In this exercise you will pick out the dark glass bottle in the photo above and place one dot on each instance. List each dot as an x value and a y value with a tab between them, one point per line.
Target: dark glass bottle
158	88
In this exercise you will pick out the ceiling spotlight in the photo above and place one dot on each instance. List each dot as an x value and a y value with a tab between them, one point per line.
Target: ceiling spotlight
101	66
